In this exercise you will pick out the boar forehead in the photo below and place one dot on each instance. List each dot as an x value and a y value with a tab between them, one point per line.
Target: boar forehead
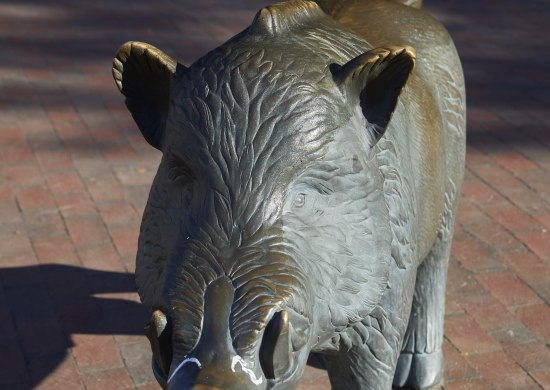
243	120
256	108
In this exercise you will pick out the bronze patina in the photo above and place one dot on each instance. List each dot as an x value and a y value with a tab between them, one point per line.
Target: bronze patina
305	199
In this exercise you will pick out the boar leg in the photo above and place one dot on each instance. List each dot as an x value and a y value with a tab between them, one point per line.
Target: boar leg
366	353
420	365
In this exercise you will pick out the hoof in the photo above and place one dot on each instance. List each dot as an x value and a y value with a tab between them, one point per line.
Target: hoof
419	371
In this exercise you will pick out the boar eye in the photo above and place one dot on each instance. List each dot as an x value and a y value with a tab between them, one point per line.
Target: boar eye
299	201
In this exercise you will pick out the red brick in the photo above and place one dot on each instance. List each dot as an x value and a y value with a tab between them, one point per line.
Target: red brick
125	240
531	269
516	333
101	257
18	260
530	356
38	74
117	215
117	153
511	217
53	159
508	289
461	282
135	176
95	352
466	335
488	312
35	197
513	162
537	318
88	230
495	176
492	234
58	250
18	154
116	379
106	135
44	225
482	115
538	242
451	306
10	213
24	175
500	371
537	180
320	382
137	358
129	263
149	386
60	183
544	218
479	193
468	384
65	114
542	377
543	290
6	192
475	156
474	256
459	234
11	136
19	245
105	190
526	199
75	204
456	367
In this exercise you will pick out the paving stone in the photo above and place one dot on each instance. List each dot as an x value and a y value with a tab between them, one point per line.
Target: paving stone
508	288
137	359
113	379
95	352
537	318
467	336
457	367
542	377
500	371
488	312
531	356
55	372
538	242
87	230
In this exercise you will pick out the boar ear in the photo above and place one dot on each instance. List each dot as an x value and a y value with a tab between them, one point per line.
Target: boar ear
374	80
144	75
160	336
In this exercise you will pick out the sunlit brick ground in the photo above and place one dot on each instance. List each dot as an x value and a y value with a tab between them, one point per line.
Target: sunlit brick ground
75	176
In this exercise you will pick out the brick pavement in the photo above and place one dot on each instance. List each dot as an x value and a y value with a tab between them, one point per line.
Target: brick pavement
75	174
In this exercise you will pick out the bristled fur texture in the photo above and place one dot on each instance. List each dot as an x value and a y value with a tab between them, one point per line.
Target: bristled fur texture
220	204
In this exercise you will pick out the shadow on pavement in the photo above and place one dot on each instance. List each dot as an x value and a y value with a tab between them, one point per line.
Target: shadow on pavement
48	304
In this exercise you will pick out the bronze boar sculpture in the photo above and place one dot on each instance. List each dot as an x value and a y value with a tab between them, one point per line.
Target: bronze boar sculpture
305	198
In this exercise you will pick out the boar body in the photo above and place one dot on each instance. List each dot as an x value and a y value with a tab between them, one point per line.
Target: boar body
305	198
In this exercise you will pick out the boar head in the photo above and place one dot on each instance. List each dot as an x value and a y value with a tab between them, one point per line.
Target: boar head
266	229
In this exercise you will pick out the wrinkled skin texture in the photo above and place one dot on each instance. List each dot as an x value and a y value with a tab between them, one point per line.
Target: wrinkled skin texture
305	198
